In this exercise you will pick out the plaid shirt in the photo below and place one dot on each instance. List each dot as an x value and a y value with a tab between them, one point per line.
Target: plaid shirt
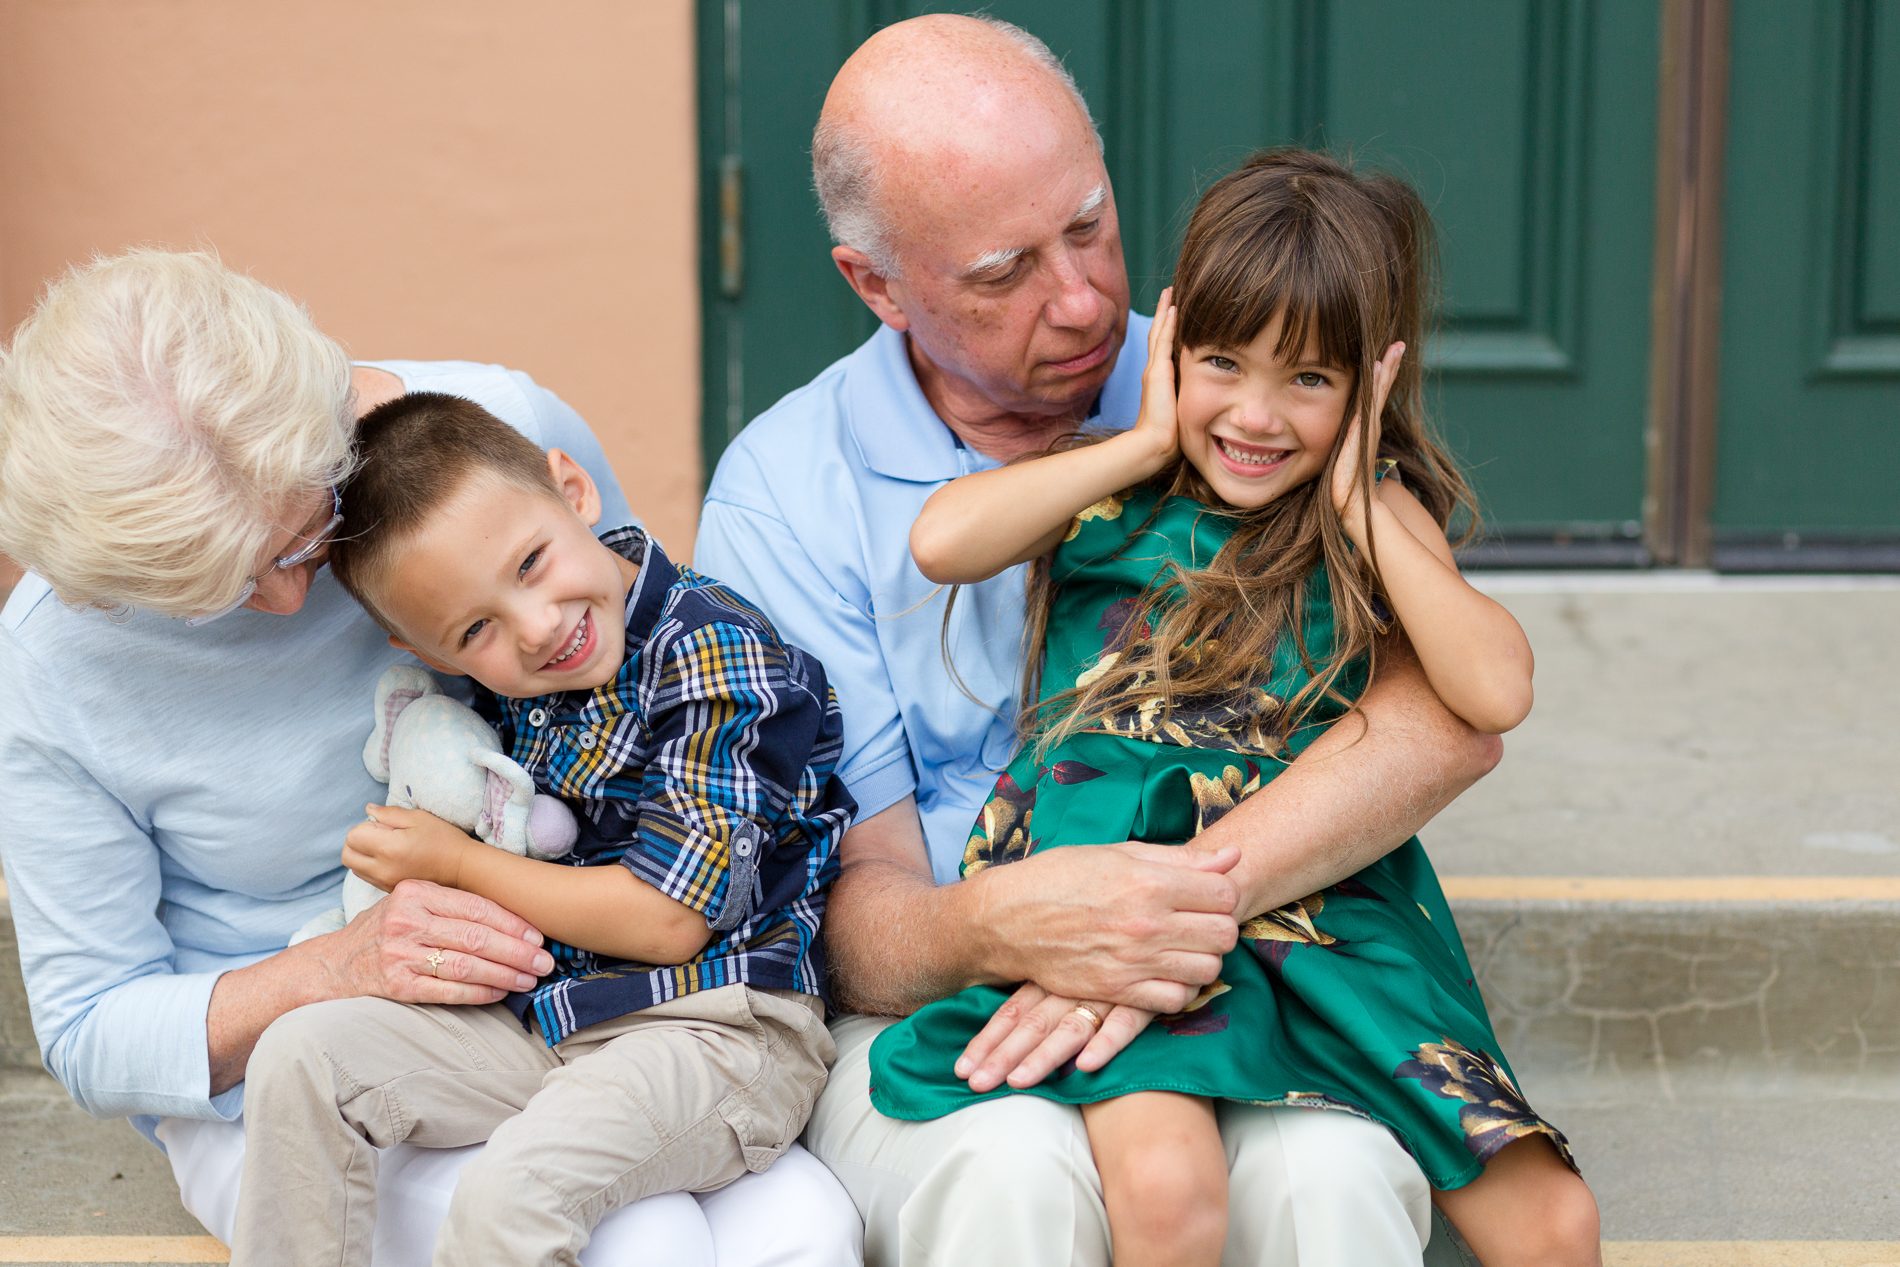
705	768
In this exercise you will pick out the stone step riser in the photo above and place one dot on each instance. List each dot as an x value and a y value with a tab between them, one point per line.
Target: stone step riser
1614	999
1611	992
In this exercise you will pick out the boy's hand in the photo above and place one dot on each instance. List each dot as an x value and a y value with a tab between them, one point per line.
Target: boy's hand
1157	422
396	844
1347	469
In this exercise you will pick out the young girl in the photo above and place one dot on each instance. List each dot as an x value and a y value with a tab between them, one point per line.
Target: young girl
1209	592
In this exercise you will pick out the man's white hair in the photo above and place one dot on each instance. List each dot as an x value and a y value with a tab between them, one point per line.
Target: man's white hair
845	163
160	416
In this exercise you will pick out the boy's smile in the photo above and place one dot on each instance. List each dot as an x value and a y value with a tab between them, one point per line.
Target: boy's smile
510	586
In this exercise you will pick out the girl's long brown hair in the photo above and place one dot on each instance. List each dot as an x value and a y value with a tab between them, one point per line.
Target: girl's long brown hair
1351	263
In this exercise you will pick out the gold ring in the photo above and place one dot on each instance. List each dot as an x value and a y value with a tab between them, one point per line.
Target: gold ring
1095	1017
436	959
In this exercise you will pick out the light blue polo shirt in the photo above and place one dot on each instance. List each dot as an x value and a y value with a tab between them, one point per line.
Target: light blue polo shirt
809	516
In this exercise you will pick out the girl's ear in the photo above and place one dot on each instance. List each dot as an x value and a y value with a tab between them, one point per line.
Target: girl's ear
576	485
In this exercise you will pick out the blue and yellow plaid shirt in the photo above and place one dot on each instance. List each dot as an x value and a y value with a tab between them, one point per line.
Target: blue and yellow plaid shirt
705	768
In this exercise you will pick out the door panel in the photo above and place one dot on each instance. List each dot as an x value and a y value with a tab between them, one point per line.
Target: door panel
1528	125
784	313
1809	432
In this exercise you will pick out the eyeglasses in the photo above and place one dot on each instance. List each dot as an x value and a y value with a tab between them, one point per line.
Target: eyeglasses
312	543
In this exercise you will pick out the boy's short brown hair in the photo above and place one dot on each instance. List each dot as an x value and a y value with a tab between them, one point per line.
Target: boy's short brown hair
413	455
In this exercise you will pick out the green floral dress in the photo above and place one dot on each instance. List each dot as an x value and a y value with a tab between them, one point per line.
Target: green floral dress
1357	998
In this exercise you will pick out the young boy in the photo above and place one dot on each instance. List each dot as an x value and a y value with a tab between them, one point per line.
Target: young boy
679	1040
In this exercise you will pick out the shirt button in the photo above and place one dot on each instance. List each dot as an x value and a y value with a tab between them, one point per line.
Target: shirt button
587	741
537	717
742	847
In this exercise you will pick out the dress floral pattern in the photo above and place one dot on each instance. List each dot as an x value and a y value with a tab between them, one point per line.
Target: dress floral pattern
1357	998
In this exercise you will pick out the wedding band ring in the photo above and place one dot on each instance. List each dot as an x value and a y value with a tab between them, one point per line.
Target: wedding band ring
436	959
1095	1017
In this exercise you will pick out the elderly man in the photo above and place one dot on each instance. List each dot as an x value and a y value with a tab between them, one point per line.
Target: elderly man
964	184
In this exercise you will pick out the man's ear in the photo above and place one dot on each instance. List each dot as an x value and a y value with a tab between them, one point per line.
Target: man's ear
872	286
437	665
576	485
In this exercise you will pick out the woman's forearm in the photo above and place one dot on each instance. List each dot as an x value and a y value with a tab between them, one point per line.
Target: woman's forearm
246	1000
421	944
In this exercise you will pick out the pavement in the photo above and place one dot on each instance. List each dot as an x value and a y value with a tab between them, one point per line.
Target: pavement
1681	891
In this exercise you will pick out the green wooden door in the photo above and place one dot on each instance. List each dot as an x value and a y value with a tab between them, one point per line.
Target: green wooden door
1808	440
1528	124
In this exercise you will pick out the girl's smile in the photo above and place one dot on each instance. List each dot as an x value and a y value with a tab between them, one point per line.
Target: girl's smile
1255	426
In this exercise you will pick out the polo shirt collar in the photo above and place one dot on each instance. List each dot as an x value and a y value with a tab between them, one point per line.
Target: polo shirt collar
900	436
897	433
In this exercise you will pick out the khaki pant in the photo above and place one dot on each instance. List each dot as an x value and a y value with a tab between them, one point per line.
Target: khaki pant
682	1097
1011	1182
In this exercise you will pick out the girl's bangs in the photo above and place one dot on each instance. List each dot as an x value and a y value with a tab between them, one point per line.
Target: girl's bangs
1276	274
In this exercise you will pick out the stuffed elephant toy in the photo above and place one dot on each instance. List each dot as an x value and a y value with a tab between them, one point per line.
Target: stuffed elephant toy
437	755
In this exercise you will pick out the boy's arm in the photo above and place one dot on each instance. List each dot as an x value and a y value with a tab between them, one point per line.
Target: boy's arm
607	910
974	527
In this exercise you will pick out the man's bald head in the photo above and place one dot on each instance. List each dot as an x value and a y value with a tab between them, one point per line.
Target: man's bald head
927	96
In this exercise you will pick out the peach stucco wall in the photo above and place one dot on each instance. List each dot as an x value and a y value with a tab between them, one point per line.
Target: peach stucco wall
437	179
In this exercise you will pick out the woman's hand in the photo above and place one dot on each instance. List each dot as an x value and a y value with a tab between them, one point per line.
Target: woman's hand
395	844
1157	423
428	944
1350	464
1036	1032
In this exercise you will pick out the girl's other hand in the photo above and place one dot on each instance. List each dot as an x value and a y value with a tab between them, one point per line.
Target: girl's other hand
1352	459
394	844
1035	1033
1157	420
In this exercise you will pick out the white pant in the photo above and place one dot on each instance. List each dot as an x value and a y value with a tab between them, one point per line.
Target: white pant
793	1215
1011	1181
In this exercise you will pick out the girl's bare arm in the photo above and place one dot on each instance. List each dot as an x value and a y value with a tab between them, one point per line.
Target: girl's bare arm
1473	651
974	527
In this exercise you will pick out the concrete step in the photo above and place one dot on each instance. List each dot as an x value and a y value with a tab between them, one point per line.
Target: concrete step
1634	981
1693	725
1759	985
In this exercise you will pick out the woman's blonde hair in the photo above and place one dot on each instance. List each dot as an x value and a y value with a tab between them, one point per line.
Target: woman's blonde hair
1349	261
160	415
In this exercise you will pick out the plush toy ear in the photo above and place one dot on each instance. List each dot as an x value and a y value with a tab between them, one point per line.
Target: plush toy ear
507	784
552	830
400	686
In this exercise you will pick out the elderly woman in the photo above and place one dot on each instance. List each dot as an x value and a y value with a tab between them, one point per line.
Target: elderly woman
187	696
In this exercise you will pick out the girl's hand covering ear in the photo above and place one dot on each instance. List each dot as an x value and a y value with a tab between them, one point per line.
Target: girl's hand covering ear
1362	440
1157	420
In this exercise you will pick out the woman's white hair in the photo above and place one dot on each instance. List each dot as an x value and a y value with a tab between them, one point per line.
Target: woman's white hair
160	416
845	163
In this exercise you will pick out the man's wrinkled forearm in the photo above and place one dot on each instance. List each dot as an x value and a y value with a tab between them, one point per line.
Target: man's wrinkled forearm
1366	786
894	940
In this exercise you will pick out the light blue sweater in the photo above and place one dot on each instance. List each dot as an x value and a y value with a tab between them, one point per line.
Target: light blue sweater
180	795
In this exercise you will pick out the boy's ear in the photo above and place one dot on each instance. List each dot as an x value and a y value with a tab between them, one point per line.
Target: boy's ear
576	486
437	665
